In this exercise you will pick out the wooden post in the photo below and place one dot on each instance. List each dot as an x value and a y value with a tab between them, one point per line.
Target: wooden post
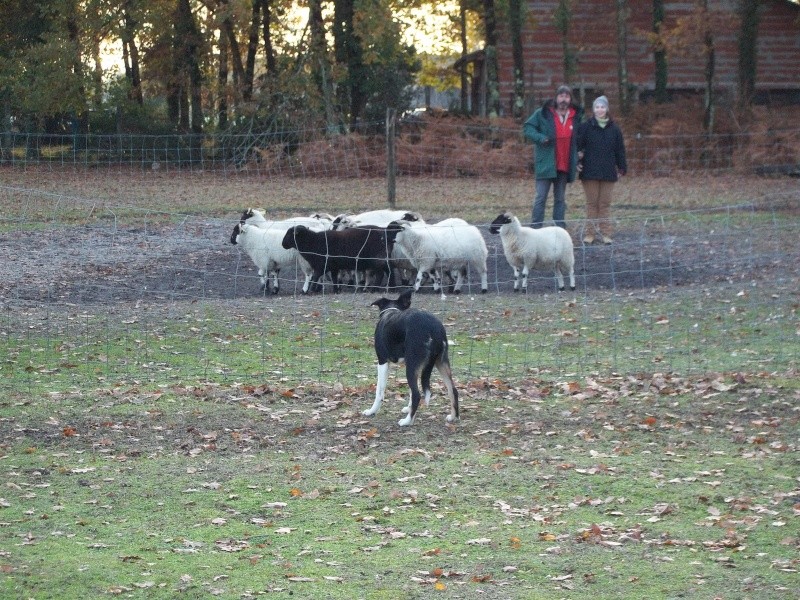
391	162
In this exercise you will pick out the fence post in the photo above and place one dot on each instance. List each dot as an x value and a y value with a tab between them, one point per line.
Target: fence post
391	162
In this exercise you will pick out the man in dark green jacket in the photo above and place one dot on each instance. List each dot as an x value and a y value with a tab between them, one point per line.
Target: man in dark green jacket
555	156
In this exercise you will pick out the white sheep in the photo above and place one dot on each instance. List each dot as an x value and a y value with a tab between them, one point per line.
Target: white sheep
316	221
449	247
380	217
526	249
263	246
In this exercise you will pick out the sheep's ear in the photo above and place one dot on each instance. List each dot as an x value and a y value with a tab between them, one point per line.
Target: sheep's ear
404	299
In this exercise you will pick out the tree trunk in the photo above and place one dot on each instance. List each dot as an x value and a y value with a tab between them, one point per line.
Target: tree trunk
348	53
252	49
462	16
233	46
516	15
709	100
186	69
659	54
80	123
320	65
195	76
492	82
269	49
622	56
563	21
97	75
748	51
222	82
129	48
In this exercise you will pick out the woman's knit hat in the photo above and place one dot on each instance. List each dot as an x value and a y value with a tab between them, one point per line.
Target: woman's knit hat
601	101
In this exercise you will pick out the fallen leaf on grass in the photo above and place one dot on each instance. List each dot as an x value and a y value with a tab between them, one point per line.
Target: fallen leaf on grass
231	545
479	542
145	585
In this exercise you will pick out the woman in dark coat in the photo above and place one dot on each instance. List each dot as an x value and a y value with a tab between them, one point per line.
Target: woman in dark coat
602	153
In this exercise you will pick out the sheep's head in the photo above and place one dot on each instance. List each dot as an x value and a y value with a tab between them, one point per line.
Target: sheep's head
412	217
250	213
392	229
395	229
236	230
341	221
502	219
290	239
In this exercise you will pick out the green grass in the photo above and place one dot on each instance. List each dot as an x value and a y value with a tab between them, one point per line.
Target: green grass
614	487
613	445
325	340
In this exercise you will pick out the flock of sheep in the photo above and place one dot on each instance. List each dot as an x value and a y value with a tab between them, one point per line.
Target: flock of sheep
387	248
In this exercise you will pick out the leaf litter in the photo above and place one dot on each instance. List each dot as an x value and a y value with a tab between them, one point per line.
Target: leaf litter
658	462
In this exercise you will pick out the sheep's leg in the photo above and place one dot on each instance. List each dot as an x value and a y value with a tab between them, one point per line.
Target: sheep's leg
459	277
525	278
380	390
405	277
438	279
484	283
560	279
275	283
393	278
262	275
516	278
317	280
572	278
307	282
418	281
363	280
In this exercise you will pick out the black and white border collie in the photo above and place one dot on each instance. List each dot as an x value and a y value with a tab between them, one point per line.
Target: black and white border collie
418	338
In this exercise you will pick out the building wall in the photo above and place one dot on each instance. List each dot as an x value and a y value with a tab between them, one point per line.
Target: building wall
593	38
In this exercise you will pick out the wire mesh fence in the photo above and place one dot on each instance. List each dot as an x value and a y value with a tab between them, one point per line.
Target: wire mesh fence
431	147
98	296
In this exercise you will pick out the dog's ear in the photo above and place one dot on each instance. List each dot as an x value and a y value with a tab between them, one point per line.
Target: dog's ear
381	303
404	299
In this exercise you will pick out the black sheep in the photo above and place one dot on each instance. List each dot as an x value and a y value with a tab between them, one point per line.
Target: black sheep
360	249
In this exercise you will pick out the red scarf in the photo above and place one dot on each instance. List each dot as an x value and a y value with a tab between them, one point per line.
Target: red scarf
563	139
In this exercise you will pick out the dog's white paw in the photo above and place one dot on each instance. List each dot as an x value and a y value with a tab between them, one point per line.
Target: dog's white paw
450	418
405	422
405	410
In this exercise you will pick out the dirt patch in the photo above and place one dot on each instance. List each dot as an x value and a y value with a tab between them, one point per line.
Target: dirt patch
105	264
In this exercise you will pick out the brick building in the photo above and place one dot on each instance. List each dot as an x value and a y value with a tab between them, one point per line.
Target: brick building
593	39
